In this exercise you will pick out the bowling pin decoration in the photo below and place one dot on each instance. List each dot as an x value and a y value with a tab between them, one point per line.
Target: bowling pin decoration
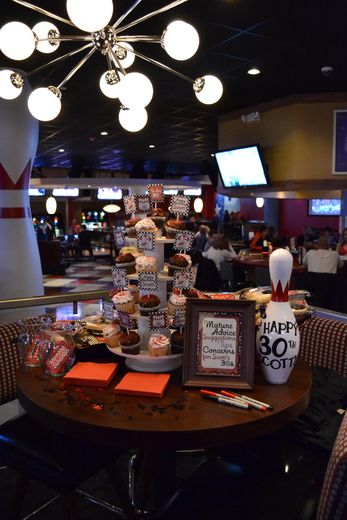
20	266
278	338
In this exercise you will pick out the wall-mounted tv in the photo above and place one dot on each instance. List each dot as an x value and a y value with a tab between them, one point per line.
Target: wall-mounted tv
324	207
242	167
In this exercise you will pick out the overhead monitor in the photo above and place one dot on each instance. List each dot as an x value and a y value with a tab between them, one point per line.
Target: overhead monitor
37	192
324	207
242	167
109	194
66	192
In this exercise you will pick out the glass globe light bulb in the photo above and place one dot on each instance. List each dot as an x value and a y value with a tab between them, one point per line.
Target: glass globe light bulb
125	54
90	15
110	89
17	41
44	104
198	205
136	90
211	90
7	89
42	30
51	205
180	40
133	119
259	202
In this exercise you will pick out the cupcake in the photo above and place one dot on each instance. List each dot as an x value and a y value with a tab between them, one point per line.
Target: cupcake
146	224
146	263
130	249
158	345
111	334
179	262
148	303
195	293
172	226
176	301
130	226
126	261
177	342
158	217
124	301
130	342
134	291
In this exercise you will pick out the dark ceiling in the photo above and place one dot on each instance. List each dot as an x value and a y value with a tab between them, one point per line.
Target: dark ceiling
289	40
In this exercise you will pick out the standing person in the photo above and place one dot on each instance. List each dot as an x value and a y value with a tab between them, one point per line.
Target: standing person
84	241
200	239
75	227
322	259
341	247
48	229
220	251
258	239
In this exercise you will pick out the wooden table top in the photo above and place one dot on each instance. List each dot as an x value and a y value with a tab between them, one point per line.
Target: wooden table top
181	419
258	260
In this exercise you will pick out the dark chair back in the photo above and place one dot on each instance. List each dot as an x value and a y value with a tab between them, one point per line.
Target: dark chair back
208	277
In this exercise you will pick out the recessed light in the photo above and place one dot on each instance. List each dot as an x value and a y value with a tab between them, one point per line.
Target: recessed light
61	150
103	133
253	71
151	146
212	154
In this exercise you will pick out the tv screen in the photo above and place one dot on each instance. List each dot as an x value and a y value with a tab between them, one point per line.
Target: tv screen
324	207
242	167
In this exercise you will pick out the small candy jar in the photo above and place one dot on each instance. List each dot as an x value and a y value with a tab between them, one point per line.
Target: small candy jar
33	344
61	349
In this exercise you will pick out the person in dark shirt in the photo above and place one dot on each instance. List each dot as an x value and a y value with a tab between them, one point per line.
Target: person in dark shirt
84	240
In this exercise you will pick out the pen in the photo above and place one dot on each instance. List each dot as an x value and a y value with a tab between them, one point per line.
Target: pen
251	400
258	406
215	394
225	400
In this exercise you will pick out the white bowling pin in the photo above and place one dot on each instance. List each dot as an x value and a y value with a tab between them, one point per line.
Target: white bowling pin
20	266
278	337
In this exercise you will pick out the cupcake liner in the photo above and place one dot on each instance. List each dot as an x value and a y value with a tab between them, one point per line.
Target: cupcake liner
113	341
173	268
131	349
171	308
129	267
158	352
126	307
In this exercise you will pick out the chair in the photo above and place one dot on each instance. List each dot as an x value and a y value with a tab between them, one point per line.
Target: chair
208	277
227	275
38	453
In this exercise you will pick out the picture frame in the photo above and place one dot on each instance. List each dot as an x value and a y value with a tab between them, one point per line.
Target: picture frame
219	344
339	158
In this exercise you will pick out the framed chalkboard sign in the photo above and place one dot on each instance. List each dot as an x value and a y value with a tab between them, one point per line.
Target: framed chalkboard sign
219	344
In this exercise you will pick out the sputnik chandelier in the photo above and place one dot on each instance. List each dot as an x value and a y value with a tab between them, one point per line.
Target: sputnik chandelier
134	90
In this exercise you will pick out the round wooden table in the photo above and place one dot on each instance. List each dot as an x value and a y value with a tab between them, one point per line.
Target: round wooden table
181	419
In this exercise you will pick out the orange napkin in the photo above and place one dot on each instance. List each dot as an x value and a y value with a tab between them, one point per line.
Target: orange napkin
91	374
139	383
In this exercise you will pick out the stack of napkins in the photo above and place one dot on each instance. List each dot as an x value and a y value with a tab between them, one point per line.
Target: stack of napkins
91	374
140	383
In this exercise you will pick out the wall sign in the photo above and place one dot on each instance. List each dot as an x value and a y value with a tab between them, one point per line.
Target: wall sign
221	335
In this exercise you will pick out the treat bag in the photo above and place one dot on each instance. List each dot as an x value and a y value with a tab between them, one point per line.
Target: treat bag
278	337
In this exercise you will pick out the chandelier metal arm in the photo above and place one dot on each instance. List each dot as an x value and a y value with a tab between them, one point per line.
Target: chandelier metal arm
56	60
77	67
127	12
116	60
43	11
139	38
68	38
162	66
150	15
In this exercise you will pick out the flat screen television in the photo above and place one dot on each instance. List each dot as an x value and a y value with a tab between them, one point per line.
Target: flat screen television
242	167
324	207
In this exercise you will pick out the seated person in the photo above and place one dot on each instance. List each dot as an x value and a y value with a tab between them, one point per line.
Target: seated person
341	247
321	259
220	251
256	244
84	241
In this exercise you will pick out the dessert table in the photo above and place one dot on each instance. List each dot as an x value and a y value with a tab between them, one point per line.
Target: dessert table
181	419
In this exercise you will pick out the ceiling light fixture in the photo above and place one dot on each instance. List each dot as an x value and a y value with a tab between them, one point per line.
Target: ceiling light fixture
103	133
253	71
111	208
180	40
51	205
259	202
198	205
151	146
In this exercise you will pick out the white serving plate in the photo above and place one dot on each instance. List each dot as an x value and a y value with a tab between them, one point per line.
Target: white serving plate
143	362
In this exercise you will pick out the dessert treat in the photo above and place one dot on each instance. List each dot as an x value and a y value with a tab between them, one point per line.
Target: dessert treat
177	342
146	263
130	226
130	249
148	303
134	291
195	293
158	345
111	334
176	301
124	301
258	295
95	322
126	261
172	226
179	262
146	224
158	217
129	342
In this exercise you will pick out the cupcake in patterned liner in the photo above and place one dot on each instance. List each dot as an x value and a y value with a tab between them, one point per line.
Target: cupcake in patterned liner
176	301
148	303
158	345
177	342
172	226
130	226
124	301
146	263
126	261
129	342
179	262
